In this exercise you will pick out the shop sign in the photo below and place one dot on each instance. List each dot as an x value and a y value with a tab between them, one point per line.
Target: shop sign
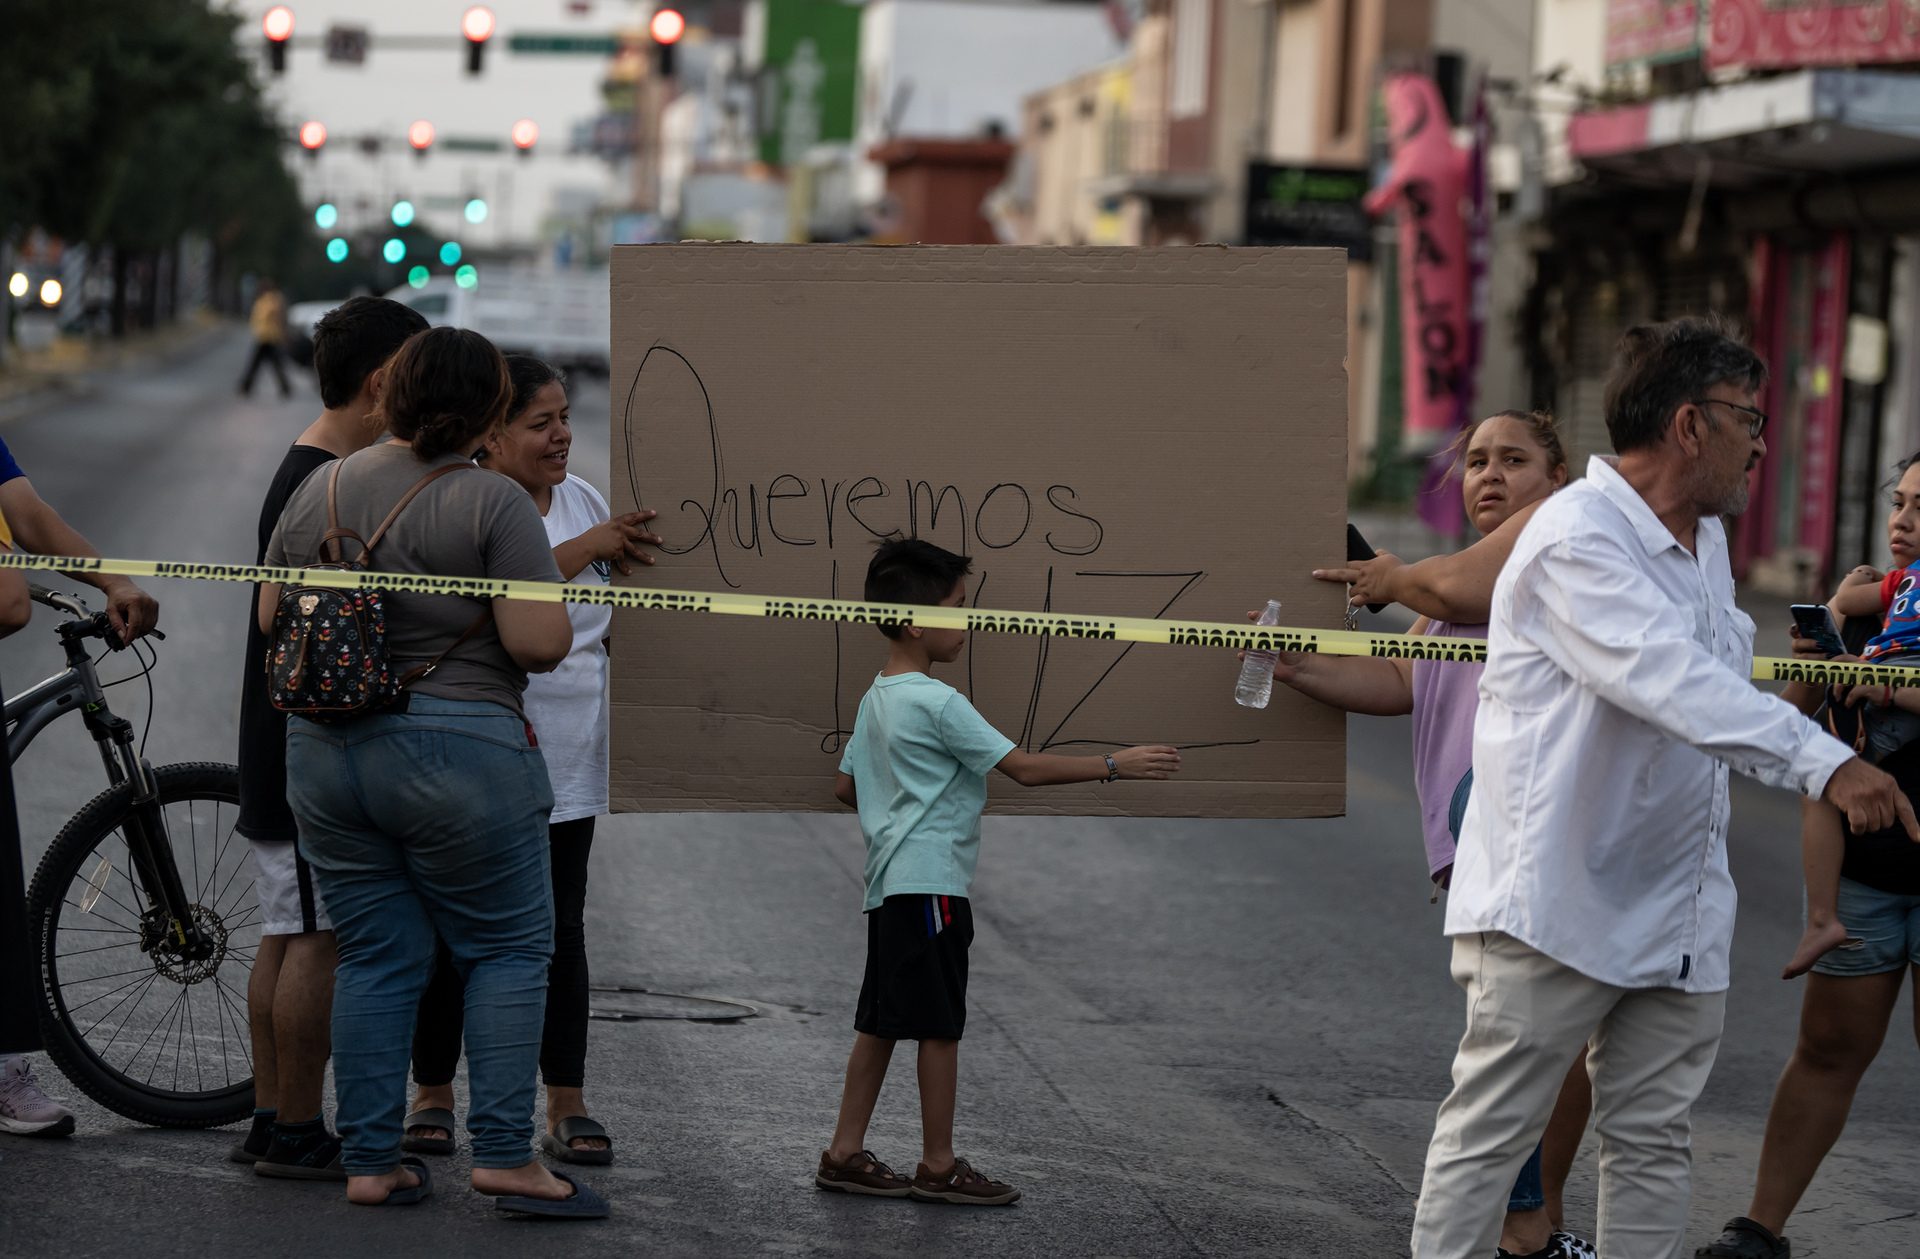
1650	32
1308	205
1427	183
1784	34
809	58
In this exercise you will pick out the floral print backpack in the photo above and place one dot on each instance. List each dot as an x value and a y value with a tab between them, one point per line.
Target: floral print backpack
328	660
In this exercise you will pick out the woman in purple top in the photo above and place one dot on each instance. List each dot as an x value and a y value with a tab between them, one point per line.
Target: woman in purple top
1511	462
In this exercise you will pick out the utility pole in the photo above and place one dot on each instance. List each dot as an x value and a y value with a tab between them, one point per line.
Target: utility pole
646	137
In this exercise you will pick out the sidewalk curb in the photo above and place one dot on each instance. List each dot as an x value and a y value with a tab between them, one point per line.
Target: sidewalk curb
63	388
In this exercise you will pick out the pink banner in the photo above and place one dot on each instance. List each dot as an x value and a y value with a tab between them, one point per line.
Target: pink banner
1821	388
1760	34
1602	132
1428	182
1651	31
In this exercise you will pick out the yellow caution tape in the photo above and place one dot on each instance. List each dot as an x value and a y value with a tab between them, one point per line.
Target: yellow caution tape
1133	629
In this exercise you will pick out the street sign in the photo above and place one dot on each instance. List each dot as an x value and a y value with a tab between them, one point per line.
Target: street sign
563	45
347	44
1308	205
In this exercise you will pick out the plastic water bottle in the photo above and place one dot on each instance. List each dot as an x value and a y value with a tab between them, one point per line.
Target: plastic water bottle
1255	687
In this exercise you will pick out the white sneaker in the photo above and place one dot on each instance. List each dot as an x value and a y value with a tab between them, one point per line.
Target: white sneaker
25	1110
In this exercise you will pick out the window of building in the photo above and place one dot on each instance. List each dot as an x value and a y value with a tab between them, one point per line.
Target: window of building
1192	55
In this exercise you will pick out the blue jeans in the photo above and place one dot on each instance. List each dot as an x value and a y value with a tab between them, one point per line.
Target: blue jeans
1528	1194
430	823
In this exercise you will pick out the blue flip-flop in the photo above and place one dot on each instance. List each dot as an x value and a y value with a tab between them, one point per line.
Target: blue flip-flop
585	1204
411	1194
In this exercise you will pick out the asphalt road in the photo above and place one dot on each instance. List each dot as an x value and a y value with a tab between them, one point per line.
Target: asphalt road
1188	1037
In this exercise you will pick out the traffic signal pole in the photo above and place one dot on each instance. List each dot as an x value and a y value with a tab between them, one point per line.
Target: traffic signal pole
652	93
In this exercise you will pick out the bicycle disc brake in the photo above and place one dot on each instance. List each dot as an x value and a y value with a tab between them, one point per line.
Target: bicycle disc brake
191	963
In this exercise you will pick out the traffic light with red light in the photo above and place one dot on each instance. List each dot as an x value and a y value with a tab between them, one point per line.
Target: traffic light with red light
477	26
420	136
312	136
666	28
525	135
277	26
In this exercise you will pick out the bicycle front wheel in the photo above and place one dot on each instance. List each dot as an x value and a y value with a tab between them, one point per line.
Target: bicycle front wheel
137	1025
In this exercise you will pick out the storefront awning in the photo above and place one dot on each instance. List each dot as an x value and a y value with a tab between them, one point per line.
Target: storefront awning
1156	185
1812	122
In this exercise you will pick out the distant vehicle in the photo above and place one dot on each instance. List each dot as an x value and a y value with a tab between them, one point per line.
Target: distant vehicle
561	316
301	318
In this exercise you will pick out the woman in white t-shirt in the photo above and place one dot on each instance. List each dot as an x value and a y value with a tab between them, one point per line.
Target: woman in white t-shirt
567	709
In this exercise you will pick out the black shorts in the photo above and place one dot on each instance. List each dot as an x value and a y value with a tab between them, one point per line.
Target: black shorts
916	984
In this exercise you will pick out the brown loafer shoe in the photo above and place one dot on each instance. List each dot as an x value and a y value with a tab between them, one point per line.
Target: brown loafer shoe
961	1185
861	1173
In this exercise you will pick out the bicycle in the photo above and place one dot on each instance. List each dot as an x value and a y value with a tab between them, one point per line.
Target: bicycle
142	912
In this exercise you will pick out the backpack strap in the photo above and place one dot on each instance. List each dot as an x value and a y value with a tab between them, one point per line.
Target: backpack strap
335	534
406	498
420	671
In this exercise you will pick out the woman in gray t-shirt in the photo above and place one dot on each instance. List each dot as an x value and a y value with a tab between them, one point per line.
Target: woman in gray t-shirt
429	817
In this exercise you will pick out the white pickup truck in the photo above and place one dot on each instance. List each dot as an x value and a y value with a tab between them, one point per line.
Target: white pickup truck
561	316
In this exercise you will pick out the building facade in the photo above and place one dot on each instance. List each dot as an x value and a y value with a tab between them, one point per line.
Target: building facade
1259	123
1724	168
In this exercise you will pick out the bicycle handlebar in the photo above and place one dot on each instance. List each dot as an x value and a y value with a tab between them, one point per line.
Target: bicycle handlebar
54	599
98	626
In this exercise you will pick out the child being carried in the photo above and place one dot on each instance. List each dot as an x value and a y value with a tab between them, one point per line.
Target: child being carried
1876	721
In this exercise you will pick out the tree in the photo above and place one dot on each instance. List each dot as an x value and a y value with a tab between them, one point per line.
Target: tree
140	121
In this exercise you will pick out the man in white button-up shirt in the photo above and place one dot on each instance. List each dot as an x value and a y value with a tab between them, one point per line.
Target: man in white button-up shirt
1591	897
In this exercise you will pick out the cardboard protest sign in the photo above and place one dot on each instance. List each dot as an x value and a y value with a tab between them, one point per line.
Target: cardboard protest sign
1145	432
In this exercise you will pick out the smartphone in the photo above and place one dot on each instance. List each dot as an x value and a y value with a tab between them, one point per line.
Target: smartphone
1357	549
1815	621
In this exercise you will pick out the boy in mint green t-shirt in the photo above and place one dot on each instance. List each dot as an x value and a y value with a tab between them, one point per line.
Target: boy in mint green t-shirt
916	768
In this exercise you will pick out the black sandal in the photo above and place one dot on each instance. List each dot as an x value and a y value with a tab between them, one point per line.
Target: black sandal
559	1142
1745	1239
429	1117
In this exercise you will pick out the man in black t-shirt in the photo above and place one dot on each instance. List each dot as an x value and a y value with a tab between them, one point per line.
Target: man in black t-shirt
290	996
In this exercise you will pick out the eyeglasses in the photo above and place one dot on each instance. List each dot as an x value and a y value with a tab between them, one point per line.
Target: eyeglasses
1756	418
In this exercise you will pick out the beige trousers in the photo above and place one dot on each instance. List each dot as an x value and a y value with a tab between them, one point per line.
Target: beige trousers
1650	1050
